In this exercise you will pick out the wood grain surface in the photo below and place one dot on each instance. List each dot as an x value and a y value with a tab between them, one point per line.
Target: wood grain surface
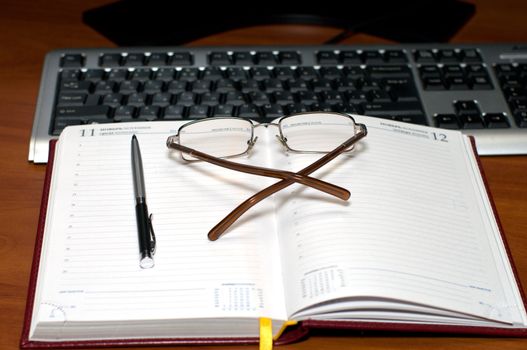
28	29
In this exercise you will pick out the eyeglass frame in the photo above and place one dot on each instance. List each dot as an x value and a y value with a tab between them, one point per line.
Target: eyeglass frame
287	177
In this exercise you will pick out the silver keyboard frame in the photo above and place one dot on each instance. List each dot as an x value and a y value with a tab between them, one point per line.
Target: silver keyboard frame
508	141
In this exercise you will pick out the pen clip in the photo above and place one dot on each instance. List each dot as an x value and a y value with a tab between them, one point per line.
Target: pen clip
152	235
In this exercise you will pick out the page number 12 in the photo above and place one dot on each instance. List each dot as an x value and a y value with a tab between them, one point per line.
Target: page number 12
439	137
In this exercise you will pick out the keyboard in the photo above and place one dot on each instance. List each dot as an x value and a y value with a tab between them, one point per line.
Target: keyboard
479	89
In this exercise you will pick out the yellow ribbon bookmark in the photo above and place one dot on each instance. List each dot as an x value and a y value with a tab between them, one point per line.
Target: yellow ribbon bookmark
266	334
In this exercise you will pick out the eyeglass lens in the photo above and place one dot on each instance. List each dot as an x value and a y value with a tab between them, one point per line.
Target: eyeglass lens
316	132
220	138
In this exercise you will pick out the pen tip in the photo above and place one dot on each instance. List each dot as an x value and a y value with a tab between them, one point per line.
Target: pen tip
133	137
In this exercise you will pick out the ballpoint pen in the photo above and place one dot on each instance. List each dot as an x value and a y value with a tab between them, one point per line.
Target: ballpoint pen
147	239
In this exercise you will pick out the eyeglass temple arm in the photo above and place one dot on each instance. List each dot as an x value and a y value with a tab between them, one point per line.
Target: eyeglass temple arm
323	186
224	224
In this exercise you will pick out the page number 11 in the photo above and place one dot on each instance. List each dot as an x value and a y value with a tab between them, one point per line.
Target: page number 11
439	137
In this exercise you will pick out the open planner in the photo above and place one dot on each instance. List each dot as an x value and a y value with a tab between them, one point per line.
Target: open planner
417	248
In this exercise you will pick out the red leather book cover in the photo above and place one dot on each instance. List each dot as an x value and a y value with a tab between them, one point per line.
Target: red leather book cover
292	334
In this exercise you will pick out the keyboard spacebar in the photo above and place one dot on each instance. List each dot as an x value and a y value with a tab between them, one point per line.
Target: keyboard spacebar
391	108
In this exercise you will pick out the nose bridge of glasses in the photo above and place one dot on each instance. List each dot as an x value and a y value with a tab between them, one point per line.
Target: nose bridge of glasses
266	125
279	136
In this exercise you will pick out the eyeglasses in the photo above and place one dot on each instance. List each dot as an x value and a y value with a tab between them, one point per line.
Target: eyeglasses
214	139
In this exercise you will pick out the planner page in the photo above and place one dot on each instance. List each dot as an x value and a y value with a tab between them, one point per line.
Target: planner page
89	270
418	230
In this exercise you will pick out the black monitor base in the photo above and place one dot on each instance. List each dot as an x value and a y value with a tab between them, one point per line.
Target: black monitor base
167	23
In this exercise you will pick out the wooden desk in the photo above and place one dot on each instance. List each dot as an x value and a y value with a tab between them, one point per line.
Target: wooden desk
28	29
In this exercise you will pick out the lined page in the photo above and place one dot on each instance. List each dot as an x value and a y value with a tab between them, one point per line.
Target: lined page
90	268
414	229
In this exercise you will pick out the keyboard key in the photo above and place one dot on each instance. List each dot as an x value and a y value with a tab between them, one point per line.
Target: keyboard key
457	83
72	61
496	121
470	55
148	113
85	113
153	86
471	121
235	98
68	100
243	58
258	98
236	74
129	86
481	83
92	100
283	97
289	57
177	87
260	73
272	111
133	60
429	71
247	86
157	59
70	75
117	75
180	59
434	84
447	121
350	57
186	99
266	58
307	73
330	73
136	99
220	59
165	74
210	99
104	87
174	112
395	56
446	56
521	119
94	75
112	100
466	108
249	111
188	74
372	57
307	97
327	57
392	109
198	112
201	86
60	124
272	85
161	99
424	56
400	89
226	110
124	113
110	60
388	72
225	86
75	86
141	74
212	74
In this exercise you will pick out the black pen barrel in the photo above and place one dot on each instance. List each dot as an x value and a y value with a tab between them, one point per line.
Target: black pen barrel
143	231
